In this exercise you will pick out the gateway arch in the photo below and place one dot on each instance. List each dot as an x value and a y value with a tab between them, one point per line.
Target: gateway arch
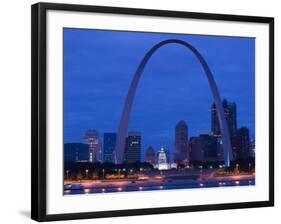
123	126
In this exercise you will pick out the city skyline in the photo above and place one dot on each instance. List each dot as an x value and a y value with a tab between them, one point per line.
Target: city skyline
178	105
180	152
181	136
141	113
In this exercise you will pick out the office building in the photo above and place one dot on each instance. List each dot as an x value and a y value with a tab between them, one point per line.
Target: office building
109	143
150	155
133	147
243	143
181	153
93	141
230	116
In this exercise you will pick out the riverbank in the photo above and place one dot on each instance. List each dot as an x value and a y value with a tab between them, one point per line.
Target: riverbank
101	186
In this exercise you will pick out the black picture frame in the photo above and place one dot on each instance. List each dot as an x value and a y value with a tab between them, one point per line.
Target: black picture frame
38	108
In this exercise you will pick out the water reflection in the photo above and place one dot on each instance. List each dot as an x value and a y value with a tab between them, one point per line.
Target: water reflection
142	186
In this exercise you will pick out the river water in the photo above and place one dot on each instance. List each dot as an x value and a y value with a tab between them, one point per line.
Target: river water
71	189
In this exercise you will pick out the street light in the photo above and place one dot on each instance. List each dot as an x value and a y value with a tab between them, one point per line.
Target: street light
103	174
87	171
237	168
67	174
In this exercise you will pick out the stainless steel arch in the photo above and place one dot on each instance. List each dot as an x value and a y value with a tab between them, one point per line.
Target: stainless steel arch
123	127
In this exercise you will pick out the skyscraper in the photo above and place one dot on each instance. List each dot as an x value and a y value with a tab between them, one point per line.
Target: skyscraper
243	143
181	142
252	148
230	116
150	155
231	120
109	142
196	153
93	141
133	147
205	148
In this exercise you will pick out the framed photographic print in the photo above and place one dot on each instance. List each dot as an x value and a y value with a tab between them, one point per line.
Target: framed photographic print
139	111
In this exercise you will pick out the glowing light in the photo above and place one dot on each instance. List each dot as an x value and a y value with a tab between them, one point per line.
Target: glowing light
143	177
87	190
237	182
201	185
119	188
103	190
140	188
161	187
67	191
68	186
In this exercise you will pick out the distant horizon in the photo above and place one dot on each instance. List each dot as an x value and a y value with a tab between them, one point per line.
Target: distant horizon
99	66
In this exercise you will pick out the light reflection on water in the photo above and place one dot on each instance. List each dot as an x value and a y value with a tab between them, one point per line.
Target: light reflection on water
78	189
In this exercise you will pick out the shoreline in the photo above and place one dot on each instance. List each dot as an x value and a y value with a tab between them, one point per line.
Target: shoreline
135	185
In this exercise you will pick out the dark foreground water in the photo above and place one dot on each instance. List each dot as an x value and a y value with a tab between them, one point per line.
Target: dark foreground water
79	189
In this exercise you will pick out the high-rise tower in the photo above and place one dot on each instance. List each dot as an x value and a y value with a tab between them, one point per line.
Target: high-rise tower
133	147
243	143
109	142
93	141
181	143
230	116
150	155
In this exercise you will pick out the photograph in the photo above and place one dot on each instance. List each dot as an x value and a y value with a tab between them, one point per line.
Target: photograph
152	111
140	112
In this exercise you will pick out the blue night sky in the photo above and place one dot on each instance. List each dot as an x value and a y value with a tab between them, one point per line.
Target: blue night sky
99	66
